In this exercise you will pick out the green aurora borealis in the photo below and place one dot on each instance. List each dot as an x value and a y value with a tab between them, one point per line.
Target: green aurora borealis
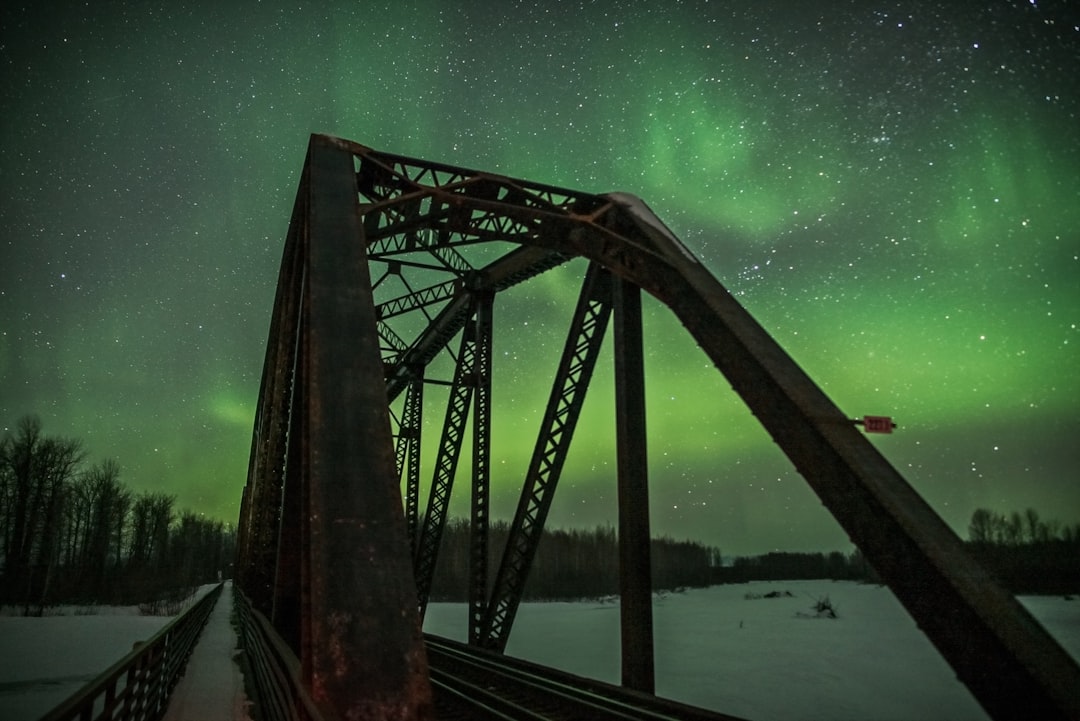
892	188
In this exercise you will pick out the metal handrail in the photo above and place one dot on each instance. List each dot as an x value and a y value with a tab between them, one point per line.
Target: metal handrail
137	687
280	694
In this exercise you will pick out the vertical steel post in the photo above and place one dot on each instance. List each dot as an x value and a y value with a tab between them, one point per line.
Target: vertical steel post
481	465
412	424
635	568
446	462
243	534
292	542
363	652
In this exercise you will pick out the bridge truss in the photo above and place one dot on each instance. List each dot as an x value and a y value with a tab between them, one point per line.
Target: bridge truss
392	268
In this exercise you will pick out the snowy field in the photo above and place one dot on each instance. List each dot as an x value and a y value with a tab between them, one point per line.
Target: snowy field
725	647
762	658
45	660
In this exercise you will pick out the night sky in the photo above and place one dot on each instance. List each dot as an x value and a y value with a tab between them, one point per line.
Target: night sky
892	188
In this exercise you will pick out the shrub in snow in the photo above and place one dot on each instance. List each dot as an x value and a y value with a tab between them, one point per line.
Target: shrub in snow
823	608
770	594
172	604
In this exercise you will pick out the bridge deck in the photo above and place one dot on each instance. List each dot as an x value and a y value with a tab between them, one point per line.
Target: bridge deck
212	688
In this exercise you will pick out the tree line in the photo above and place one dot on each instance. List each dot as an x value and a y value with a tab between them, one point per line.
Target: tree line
569	564
72	532
796	566
1026	553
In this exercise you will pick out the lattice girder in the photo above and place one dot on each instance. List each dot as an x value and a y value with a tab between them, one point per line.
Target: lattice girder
457	415
571	382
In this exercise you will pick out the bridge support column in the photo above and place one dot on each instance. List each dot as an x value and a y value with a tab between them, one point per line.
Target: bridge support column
635	567
362	653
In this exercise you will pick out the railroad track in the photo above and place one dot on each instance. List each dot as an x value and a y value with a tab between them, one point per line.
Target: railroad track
471	683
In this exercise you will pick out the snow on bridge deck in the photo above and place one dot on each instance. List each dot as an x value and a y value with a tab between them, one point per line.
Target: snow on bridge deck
212	688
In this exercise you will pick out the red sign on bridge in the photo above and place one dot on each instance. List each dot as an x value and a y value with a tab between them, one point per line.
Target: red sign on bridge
878	424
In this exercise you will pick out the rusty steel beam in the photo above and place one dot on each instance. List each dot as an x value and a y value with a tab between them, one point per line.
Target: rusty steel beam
394	173
568	390
446	324
362	652
453	435
417	299
635	567
515	267
407	460
259	524
292	543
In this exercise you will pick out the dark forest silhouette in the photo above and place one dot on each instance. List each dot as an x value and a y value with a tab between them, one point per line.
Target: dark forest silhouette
796	566
571	564
1026	553
74	533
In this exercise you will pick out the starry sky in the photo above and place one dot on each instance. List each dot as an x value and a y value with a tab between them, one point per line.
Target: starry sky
891	188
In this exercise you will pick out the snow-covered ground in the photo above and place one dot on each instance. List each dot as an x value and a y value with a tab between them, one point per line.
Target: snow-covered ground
45	660
724	647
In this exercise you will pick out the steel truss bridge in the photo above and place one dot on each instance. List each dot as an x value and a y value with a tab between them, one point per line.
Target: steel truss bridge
391	267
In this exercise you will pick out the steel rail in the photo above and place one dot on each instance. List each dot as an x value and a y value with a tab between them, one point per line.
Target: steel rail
477	702
516	689
499	681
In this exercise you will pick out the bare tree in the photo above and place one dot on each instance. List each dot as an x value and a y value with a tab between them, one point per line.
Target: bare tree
59	460
104	489
77	512
111	544
1032	526
122	513
147	557
981	529
17	456
36	470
